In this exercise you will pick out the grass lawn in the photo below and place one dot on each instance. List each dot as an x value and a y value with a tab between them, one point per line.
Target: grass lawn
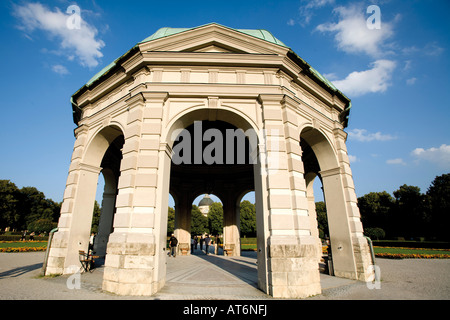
408	251
252	247
21	244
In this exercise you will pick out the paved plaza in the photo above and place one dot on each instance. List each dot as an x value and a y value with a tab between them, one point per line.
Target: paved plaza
206	277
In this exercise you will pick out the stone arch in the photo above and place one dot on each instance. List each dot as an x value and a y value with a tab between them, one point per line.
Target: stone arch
99	143
79	198
201	113
320	159
228	196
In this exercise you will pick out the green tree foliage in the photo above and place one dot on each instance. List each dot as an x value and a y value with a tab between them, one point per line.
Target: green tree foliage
375	209
199	223
322	221
375	233
411	212
42	226
171	221
96	217
215	218
248	219
9	201
439	197
21	208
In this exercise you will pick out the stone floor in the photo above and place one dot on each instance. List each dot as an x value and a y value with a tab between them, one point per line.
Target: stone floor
215	277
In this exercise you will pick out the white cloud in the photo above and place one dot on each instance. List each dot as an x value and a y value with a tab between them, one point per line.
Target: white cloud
439	156
411	81
363	136
306	10
352	158
60	69
79	42
376	79
396	161
352	34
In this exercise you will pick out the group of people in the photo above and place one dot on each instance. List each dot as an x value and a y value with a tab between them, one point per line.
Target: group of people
195	240
24	236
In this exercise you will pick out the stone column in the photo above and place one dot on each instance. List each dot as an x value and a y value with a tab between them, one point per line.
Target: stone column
338	224
183	223
134	249
310	179
292	251
107	214
76	211
361	248
231	236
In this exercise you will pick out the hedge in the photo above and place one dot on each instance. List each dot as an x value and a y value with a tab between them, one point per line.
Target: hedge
17	238
412	244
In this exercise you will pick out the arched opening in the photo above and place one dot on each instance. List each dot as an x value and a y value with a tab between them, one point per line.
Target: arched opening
110	171
215	158
212	157
103	155
321	167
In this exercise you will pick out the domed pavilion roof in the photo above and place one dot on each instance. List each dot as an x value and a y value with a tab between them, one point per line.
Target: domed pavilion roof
206	201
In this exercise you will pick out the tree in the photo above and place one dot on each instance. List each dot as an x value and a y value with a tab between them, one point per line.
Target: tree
42	225
376	210
215	218
96	217
170	221
411	212
439	197
374	233
322	221
248	219
199	223
9	214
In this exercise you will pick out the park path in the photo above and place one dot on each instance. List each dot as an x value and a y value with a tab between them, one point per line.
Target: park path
218	277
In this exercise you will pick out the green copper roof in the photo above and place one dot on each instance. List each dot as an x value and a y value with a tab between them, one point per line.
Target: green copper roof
165	32
257	33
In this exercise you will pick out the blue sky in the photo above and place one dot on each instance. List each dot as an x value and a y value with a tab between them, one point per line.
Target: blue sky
398	76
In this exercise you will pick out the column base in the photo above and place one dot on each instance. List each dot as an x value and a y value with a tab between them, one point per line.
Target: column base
130	266
57	254
293	270
183	249
363	258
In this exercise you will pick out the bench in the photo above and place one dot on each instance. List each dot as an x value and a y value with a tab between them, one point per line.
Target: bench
87	260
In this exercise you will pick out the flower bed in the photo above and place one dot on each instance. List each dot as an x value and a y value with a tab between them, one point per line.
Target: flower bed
23	249
411	256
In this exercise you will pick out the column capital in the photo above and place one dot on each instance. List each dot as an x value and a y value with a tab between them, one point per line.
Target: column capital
330	172
90	168
270	98
80	130
155	96
339	133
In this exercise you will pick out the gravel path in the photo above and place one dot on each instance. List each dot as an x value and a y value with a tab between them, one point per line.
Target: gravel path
401	279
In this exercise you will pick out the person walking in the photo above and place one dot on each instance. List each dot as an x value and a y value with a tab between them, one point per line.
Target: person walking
201	242
192	245
173	242
207	242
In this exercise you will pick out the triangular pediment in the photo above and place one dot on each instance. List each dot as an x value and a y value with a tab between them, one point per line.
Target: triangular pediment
215	38
213	47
